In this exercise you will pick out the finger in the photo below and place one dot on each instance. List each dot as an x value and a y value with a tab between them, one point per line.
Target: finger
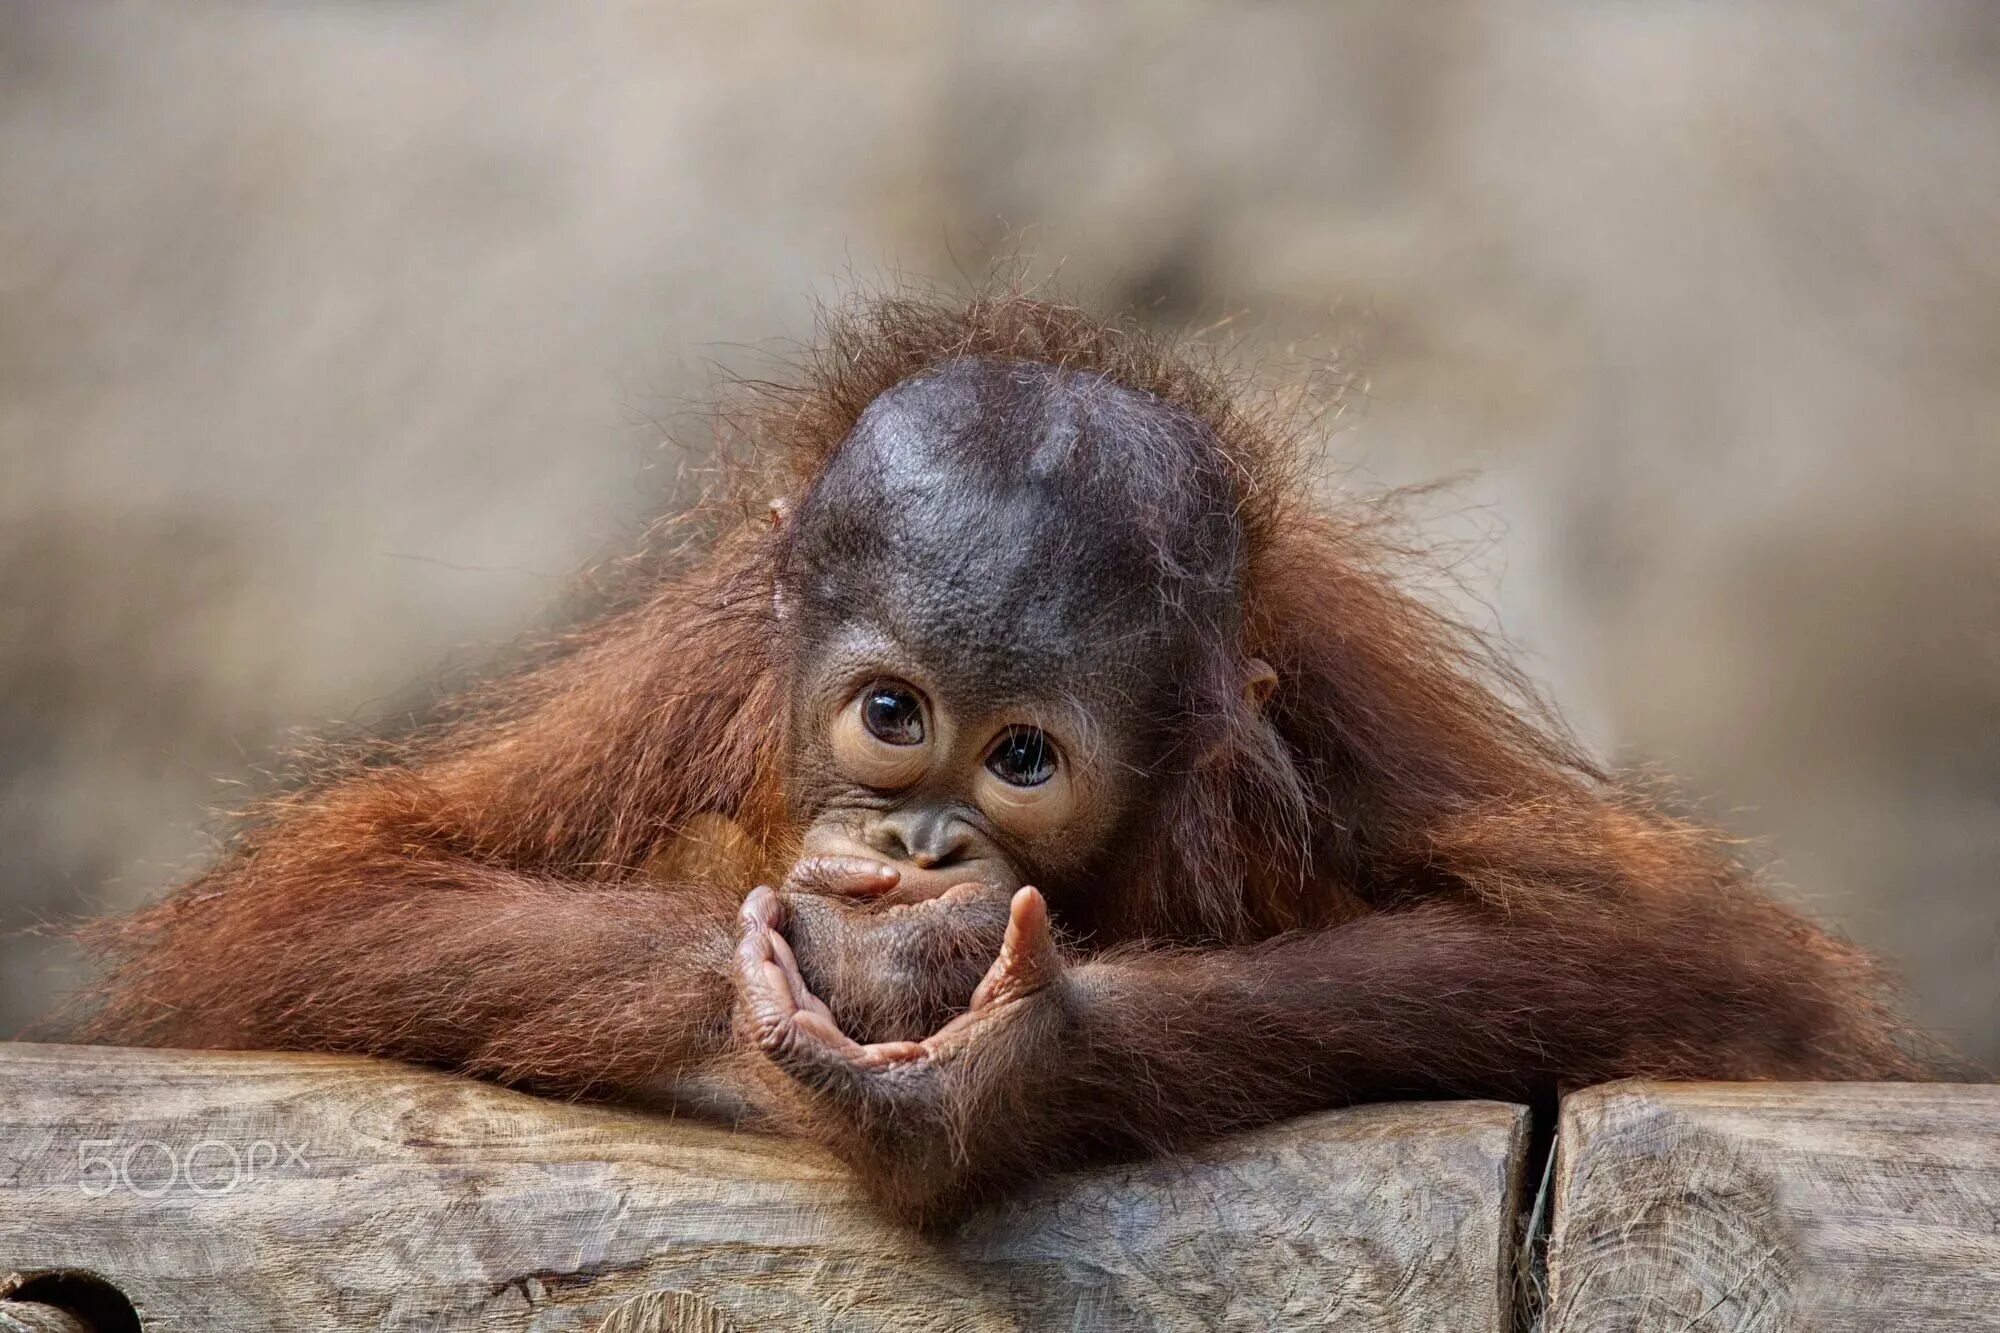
765	968
765	990
753	953
1028	959
762	910
802	994
757	967
790	1022
854	876
810	1046
825	1033
883	1054
772	986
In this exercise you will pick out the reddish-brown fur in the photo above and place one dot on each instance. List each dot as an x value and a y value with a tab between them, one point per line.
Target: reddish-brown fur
1424	888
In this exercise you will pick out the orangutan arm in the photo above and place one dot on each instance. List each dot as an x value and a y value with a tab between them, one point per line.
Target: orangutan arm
405	951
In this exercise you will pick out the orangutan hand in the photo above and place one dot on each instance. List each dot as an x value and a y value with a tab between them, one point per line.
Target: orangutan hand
886	966
782	1017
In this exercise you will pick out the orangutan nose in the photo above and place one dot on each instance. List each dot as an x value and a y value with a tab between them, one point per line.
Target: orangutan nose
924	838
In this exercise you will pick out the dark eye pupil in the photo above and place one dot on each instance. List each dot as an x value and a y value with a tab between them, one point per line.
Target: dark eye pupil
1023	758
893	715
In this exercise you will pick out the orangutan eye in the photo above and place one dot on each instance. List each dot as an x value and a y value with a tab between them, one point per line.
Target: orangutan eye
892	713
1023	757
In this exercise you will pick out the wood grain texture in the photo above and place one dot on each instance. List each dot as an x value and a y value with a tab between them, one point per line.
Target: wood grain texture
34	1317
420	1201
667	1312
1770	1208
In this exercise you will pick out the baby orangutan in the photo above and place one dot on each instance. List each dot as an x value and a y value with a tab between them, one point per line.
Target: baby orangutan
1046	776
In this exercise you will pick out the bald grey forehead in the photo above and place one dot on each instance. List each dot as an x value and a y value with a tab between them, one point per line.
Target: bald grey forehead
1007	520
1023	421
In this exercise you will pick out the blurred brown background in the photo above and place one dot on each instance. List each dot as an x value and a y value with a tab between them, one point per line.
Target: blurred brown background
332	337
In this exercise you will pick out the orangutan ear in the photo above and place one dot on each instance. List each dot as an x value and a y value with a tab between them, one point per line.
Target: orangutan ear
1260	682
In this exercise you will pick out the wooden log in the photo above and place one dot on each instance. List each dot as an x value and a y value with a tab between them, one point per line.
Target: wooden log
251	1191
1774	1207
